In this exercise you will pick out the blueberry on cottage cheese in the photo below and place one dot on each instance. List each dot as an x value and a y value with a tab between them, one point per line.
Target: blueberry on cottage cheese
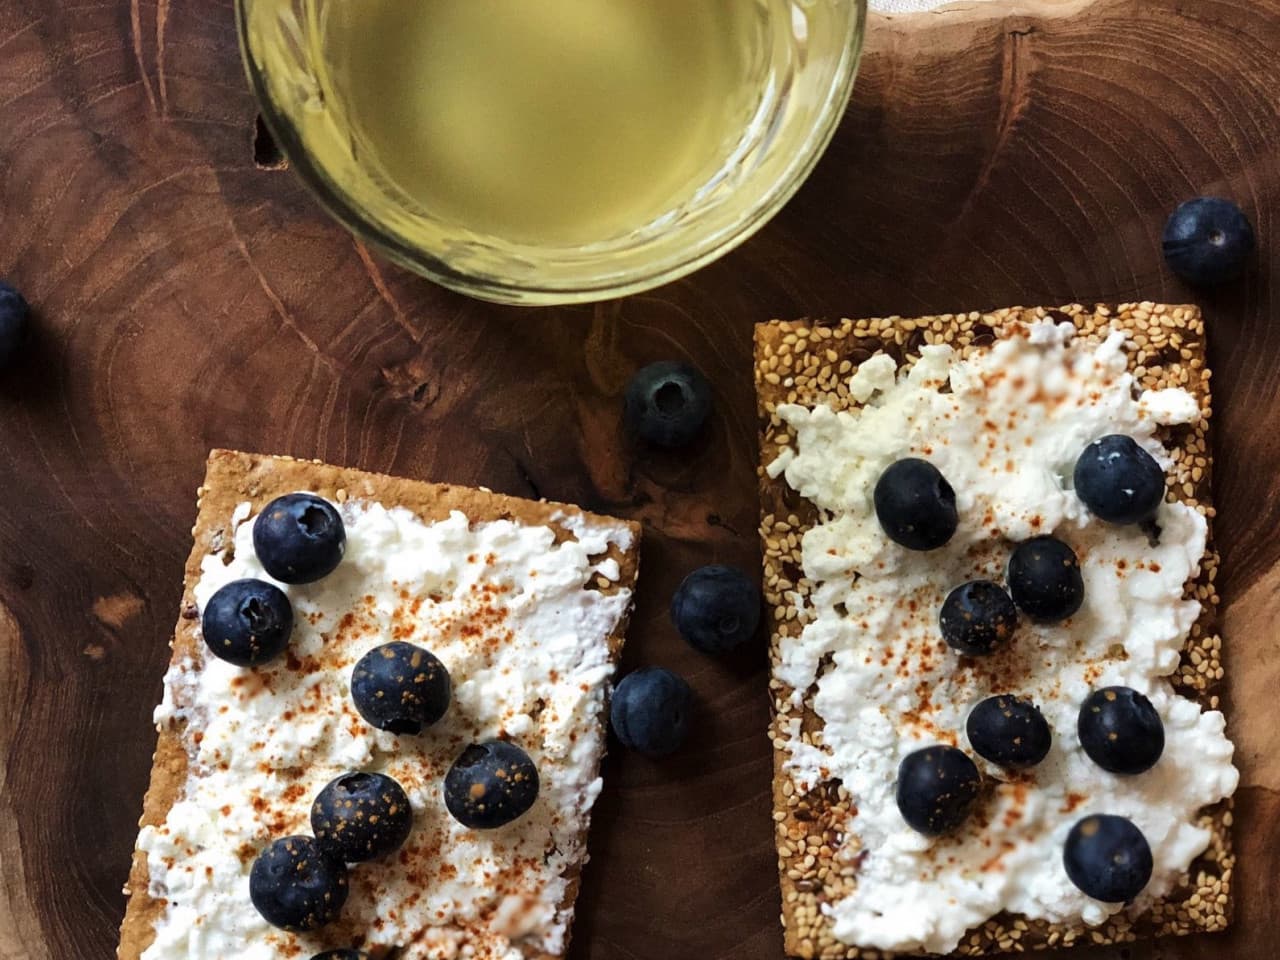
1008	732
361	816
1108	858
650	711
400	687
1045	580
716	609
936	789
667	404
296	886
14	314
1119	481
247	622
1208	240
1120	730
977	617
915	505
342	955
490	785
299	538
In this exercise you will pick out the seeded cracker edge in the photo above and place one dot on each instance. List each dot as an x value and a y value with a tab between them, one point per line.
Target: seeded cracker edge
233	478
810	362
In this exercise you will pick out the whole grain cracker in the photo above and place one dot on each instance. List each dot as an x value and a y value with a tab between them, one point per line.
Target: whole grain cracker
233	478
810	362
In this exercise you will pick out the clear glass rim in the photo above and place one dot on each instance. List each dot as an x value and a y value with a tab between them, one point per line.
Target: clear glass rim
684	261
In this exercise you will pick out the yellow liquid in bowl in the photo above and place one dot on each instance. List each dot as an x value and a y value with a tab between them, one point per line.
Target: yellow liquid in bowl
547	122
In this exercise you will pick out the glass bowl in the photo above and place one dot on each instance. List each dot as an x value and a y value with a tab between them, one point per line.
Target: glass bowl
803	61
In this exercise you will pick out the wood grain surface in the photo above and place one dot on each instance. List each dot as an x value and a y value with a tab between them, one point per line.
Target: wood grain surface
188	299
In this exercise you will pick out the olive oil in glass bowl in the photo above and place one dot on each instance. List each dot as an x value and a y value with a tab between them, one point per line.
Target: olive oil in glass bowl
552	151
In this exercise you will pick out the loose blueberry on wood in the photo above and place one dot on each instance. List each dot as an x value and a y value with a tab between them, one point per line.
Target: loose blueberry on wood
716	609
1120	730
1208	240
247	622
1009	732
361	816
490	785
915	505
14	317
400	688
936	789
296	886
299	538
977	617
1108	858
650	711
667	404
1045	580
1119	481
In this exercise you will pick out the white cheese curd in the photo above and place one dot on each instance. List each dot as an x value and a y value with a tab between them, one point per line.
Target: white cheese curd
1005	431
510	613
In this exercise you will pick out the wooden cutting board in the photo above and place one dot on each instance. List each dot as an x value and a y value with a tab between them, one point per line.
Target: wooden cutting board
187	299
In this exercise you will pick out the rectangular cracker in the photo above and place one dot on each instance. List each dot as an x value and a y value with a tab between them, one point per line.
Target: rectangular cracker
234	478
809	363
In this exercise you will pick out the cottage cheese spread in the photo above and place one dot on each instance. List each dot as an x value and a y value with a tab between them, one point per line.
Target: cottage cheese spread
511	614
1006	436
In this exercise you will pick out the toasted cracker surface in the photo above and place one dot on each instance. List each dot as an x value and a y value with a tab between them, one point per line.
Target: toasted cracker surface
809	362
233	478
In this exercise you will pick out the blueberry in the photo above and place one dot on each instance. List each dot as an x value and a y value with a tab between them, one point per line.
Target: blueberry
400	687
716	609
299	538
650	711
1108	858
296	886
1008	732
14	314
667	404
1119	481
1044	579
1120	730
490	785
247	622
342	955
361	816
977	617
936	789
1207	240
915	504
